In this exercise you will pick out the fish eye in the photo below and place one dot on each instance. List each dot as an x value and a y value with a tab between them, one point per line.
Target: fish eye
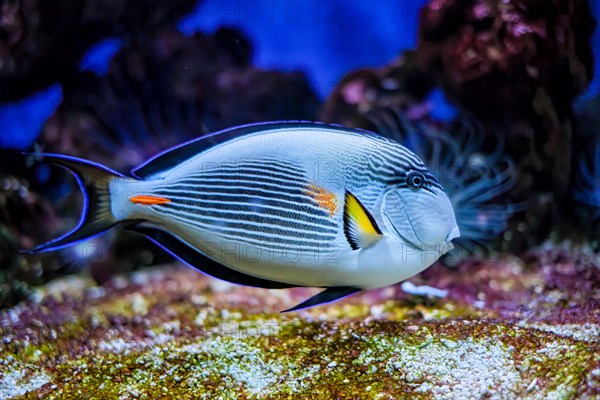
415	179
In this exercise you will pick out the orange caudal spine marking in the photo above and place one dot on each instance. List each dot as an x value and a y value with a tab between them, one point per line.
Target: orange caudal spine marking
148	200
324	198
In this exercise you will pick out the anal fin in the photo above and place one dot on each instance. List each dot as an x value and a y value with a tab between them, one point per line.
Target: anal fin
326	296
194	258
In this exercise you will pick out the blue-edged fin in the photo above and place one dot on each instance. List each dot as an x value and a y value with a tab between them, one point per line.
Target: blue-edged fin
192	257
96	217
360	227
326	296
176	155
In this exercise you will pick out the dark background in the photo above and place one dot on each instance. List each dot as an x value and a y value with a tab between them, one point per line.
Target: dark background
325	39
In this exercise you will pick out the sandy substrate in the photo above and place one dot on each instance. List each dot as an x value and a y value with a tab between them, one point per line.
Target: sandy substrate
506	329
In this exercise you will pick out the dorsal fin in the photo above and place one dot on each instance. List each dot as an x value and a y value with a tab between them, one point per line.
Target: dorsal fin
176	155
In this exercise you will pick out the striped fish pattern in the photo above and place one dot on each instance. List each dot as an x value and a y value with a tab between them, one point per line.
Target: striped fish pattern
266	203
358	211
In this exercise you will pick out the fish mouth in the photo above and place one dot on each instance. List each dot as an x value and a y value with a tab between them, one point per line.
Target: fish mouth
451	238
454	234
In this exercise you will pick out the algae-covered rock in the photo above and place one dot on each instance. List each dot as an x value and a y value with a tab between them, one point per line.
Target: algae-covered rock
511	328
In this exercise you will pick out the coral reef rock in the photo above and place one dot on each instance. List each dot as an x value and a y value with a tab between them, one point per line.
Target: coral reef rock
41	41
517	67
522	328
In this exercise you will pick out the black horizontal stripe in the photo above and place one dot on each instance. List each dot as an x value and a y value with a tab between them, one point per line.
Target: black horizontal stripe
251	181
224	201
194	190
276	217
255	172
270	226
260	240
228	179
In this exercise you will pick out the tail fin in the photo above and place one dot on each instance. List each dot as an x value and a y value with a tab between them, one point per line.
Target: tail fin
96	217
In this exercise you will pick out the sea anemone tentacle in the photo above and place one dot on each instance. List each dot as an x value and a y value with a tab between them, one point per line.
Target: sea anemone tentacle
586	187
476	182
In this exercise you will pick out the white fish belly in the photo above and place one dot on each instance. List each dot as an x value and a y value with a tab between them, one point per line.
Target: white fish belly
295	266
389	261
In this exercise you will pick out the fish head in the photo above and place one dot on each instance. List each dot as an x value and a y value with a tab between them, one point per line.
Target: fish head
419	212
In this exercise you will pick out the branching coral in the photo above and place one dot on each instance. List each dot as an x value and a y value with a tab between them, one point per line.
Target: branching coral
474	181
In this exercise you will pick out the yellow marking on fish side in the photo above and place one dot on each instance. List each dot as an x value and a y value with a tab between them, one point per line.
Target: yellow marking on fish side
148	200
324	198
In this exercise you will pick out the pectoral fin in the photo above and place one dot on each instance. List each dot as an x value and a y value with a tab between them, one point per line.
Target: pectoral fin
360	227
326	296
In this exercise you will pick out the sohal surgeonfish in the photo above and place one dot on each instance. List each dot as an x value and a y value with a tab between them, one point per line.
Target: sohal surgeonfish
278	205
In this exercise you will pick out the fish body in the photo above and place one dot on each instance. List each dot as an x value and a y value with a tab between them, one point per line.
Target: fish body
280	205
